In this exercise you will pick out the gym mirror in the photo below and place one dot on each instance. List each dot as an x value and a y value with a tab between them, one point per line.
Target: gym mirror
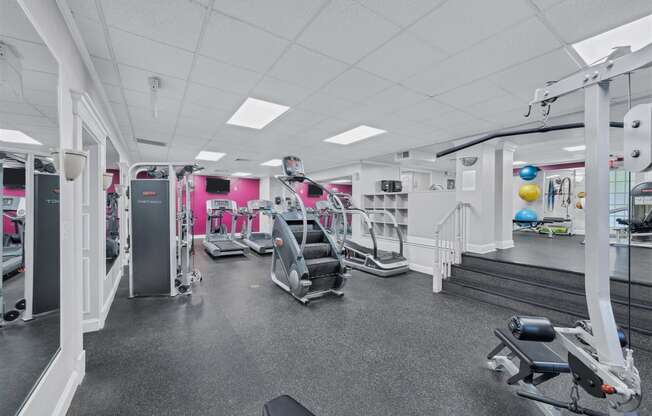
112	179
29	192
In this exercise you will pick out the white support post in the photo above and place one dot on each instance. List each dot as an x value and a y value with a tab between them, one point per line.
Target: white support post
597	279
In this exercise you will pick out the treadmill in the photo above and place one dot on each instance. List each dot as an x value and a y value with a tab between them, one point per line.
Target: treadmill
218	241
259	242
13	253
371	260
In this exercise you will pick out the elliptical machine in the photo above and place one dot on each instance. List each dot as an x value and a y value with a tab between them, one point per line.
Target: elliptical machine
310	260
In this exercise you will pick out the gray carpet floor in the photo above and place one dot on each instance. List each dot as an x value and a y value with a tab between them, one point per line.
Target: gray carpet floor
389	347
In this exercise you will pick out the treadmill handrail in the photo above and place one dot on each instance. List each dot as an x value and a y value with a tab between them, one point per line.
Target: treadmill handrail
399	233
367	219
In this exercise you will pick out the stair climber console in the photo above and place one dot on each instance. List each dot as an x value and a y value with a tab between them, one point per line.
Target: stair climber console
306	261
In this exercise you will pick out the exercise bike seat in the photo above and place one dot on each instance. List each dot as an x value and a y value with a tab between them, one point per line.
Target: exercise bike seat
285	406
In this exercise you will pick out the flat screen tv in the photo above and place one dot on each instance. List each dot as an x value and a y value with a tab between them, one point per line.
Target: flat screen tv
314	190
218	185
13	177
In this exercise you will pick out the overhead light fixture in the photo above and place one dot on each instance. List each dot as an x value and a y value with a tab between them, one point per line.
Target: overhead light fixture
519	163
636	35
256	114
209	156
342	181
355	135
272	162
241	174
16	136
575	148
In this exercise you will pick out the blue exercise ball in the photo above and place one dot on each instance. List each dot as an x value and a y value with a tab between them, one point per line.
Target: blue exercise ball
529	172
526	215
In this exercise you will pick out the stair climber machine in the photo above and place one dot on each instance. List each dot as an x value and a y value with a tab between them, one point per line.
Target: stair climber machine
371	260
161	221
595	352
308	259
219	242
259	242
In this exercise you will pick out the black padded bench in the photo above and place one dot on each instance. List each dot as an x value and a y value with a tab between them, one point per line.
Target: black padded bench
537	361
285	406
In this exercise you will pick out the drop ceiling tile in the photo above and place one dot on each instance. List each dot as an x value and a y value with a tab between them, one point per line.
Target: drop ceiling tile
106	71
14	23
470	94
51	112
150	55
20	122
205	114
93	35
322	103
113	93
40	97
168	21
347	31
355	85
40	80
423	110
403	12
387	101
10	107
510	47
227	77
147	132
594	18
283	17
401	57
84	8
143	100
241	44
498	104
137	80
301	117
281	92
190	126
144	117
34	56
524	78
479	18
546	4
215	98
307	68
189	141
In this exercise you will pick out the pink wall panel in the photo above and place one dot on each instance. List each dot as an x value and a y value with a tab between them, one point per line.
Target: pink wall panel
7	225
242	191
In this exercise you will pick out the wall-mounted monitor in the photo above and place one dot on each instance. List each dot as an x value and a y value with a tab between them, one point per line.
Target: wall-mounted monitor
218	185
13	177
314	190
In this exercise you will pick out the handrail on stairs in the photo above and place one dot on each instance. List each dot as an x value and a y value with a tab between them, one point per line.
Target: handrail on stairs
451	236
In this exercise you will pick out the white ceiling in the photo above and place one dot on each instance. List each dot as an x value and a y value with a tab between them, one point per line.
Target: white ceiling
35	112
427	71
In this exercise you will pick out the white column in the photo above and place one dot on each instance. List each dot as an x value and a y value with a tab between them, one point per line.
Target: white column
504	195
476	186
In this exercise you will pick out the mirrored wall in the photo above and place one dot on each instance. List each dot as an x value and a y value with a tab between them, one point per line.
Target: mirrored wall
30	285
112	188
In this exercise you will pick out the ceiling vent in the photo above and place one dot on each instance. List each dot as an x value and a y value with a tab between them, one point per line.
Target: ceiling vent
151	142
413	156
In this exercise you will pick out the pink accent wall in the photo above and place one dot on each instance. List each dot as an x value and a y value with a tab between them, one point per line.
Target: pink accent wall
8	226
242	191
311	201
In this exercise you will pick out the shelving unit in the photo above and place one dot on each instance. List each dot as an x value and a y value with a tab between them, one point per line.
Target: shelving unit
396	204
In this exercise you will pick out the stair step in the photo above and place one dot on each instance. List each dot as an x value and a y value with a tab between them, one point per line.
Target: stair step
520	295
322	266
316	250
312	236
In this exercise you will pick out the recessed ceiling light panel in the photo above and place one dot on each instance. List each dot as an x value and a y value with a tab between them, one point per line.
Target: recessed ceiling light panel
209	156
16	136
575	148
272	162
355	135
636	34
256	114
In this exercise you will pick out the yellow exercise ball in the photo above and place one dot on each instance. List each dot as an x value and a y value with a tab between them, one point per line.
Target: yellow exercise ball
529	192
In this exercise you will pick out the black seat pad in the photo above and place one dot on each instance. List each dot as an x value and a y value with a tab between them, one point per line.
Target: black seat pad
285	406
538	356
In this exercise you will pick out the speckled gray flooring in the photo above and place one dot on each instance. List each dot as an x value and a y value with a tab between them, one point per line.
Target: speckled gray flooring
389	347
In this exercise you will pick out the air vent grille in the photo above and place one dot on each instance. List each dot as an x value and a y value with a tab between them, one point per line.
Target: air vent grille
151	142
242	159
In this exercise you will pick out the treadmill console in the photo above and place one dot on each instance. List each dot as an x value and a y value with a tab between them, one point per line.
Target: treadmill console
293	166
221	205
259	205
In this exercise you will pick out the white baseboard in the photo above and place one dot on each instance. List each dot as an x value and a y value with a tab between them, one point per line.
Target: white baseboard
91	325
481	248
421	268
109	300
505	244
74	381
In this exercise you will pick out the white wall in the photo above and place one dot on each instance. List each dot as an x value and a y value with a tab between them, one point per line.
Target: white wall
54	391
